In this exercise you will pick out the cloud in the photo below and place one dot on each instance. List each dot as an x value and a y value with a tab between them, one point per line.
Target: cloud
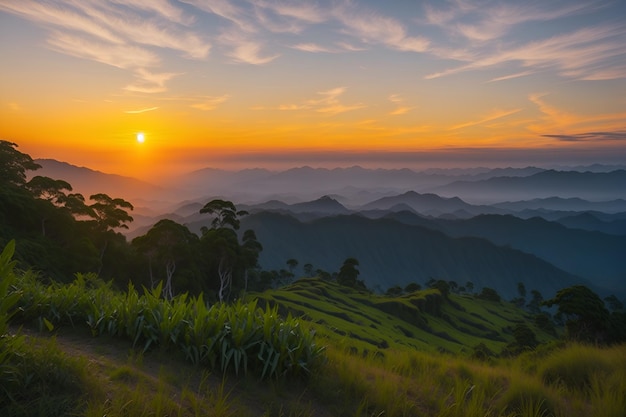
117	55
149	82
313	47
496	114
141	110
400	109
587	53
327	102
590	136
374	28
116	33
511	76
210	103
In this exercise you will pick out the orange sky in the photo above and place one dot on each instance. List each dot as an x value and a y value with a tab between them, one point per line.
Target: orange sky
287	83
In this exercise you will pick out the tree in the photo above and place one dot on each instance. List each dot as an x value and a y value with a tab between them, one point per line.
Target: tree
109	214
586	317
470	286
442	285
524	339
227	258
167	243
250	250
412	287
292	264
489	294
225	212
50	191
14	164
348	273
534	305
394	291
521	290
308	269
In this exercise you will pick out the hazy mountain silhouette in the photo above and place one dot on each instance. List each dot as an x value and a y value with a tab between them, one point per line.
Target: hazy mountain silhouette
429	204
566	184
564	204
592	255
393	253
591	221
87	181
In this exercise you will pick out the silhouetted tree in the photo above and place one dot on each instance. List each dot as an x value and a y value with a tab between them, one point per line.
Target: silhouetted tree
348	273
308	269
292	264
14	164
168	243
586	317
489	294
412	287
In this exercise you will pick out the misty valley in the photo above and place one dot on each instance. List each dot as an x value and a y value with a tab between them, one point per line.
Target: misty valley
447	292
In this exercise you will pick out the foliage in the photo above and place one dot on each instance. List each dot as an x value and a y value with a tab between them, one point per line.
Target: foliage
14	164
586	317
489	294
239	337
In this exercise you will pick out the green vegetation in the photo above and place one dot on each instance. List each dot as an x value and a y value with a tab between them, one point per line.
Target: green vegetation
395	370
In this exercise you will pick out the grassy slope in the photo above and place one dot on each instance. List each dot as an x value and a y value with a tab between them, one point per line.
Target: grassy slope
422	320
403	381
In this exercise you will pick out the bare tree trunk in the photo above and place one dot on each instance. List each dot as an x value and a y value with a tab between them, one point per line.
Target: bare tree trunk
226	275
170	267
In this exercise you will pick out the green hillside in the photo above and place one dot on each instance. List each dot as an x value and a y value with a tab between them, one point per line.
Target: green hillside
423	320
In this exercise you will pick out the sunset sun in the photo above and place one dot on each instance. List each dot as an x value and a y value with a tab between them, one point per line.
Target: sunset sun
140	137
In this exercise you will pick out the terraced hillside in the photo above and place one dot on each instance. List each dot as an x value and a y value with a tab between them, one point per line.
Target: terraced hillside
424	320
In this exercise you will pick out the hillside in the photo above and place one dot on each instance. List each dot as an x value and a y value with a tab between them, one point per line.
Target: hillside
423	320
595	256
393	253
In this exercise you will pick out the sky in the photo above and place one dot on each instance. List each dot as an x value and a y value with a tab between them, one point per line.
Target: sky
283	83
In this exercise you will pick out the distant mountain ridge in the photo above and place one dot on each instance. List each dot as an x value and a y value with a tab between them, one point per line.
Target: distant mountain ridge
88	181
595	186
393	253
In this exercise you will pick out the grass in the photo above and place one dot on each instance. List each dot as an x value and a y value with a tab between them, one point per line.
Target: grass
65	370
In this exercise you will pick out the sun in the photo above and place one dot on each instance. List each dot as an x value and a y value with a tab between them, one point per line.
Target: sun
140	137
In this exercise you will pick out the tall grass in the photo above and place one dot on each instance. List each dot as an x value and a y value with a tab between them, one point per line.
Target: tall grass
240	337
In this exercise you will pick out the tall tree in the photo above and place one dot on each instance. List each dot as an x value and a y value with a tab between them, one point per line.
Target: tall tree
166	243
348	273
14	164
586	317
222	245
109	214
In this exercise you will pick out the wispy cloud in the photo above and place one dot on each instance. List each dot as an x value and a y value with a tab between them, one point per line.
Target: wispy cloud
554	118
210	103
116	33
587	53
496	114
327	102
245	49
619	135
313	47
401	108
511	76
375	28
141	110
